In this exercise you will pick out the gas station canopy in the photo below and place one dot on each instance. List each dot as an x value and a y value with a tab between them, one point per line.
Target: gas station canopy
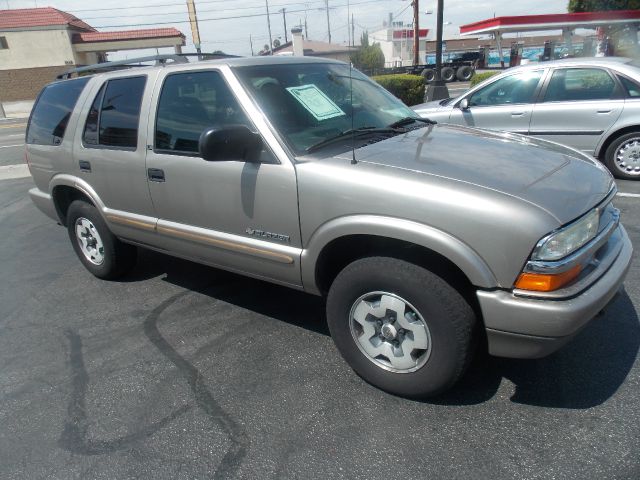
559	21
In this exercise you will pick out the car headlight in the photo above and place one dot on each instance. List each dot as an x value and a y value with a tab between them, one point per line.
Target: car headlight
569	239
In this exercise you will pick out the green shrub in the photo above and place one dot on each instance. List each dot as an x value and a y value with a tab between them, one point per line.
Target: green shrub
408	88
481	77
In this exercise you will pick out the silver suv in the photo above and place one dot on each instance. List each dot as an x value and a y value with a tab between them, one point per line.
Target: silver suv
425	239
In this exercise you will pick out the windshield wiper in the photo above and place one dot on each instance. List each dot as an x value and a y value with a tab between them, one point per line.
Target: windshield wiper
353	132
407	120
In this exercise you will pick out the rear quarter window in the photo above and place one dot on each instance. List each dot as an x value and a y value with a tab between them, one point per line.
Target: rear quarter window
51	112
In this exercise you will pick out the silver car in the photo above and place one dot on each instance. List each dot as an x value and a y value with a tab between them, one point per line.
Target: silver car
425	239
590	104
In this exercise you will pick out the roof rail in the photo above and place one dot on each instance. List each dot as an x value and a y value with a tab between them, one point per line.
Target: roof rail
137	62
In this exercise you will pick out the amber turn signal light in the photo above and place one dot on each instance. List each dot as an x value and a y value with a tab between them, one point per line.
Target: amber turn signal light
543	282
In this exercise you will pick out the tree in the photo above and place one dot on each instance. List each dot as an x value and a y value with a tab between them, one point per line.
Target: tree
599	5
368	57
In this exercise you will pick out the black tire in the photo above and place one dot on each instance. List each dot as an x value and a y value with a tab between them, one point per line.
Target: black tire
448	74
429	75
630	171
464	73
449	318
117	258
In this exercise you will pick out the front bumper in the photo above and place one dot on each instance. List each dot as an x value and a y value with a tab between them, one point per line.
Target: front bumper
521	327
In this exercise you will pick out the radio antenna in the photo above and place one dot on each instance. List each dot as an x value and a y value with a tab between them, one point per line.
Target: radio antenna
353	133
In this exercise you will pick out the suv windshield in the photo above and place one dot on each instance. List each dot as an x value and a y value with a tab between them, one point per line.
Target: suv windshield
310	104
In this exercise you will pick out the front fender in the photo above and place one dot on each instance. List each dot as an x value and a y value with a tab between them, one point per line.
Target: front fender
461	254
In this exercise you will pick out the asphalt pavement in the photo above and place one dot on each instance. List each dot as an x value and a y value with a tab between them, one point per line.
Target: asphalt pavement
185	371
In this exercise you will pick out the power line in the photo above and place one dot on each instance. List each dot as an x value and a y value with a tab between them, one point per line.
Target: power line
251	15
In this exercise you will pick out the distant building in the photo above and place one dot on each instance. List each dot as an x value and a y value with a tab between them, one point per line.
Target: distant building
396	42
300	46
36	44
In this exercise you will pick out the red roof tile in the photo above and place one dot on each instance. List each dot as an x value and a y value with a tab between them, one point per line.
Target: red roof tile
126	35
40	17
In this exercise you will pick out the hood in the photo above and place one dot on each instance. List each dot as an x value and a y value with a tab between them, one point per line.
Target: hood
432	107
560	180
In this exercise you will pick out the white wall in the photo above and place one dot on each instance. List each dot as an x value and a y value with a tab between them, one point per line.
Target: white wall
36	48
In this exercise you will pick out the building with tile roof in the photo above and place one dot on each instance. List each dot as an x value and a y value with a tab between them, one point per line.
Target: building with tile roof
36	44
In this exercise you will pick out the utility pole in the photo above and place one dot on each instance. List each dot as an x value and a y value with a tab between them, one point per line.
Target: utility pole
416	32
269	27
326	2
193	20
251	43
284	19
353	32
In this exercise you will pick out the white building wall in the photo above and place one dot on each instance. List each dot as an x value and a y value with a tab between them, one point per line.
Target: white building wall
36	48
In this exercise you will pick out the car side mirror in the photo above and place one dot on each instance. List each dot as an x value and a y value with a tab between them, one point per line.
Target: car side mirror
230	142
464	104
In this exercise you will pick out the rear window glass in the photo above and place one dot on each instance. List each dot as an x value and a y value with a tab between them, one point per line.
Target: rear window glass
632	88
52	110
120	112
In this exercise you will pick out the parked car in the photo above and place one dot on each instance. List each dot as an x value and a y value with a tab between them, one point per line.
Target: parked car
590	104
305	173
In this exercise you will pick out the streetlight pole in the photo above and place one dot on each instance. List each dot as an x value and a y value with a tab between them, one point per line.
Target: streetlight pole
328	25
438	89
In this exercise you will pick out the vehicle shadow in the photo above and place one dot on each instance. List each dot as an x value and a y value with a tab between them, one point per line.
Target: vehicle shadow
583	374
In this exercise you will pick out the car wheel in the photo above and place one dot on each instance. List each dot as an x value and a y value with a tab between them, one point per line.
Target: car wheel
464	73
399	326
429	75
448	74
97	248
622	157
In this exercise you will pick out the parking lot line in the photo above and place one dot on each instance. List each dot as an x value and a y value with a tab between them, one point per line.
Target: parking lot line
632	195
13	125
11	146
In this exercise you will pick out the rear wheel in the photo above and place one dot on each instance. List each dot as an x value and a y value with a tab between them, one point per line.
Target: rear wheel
399	326
97	248
622	157
448	74
464	73
429	75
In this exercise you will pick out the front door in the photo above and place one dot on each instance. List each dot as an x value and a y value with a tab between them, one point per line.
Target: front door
505	104
237	215
578	106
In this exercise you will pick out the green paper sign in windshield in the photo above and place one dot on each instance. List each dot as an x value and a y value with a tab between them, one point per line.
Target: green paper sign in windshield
316	102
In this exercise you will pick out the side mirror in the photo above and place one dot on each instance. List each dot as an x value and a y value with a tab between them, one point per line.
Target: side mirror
231	142
464	104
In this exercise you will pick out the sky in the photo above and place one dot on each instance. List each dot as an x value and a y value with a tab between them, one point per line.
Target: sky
218	31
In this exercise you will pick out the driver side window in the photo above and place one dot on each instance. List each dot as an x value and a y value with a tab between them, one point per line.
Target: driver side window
189	104
514	89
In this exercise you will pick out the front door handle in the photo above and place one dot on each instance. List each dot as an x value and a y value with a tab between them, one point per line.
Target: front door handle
84	165
604	111
517	114
155	174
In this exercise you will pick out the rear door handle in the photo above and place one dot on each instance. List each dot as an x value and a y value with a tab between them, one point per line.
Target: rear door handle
155	174
517	114
84	165
604	111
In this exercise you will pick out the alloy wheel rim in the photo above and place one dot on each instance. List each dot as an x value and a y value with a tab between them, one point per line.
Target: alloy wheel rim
89	240
390	332
627	158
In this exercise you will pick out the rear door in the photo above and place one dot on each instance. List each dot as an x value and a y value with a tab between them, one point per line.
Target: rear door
578	105
505	104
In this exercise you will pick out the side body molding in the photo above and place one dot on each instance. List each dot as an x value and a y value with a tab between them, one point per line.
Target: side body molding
446	245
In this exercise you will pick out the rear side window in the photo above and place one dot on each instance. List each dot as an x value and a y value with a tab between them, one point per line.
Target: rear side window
115	113
632	88
52	110
580	84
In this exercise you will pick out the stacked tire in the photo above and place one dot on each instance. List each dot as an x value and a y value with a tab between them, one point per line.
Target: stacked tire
448	74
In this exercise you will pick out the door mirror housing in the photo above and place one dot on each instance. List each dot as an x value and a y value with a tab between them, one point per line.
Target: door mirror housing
464	104
231	142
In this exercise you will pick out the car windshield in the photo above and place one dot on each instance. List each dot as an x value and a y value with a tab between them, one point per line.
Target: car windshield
312	103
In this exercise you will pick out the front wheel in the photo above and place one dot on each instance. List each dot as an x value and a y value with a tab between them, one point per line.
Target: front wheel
399	326
622	157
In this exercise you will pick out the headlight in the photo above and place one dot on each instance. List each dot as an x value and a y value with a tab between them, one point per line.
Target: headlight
566	241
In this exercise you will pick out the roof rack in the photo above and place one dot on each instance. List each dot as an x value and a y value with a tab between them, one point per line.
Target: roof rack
161	59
